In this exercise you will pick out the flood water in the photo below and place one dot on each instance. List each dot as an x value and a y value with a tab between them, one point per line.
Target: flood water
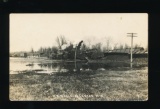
44	65
50	66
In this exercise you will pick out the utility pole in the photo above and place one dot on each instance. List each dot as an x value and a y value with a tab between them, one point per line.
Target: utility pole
75	56
131	35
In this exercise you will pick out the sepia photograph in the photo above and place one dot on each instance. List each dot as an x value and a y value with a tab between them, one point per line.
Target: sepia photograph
78	57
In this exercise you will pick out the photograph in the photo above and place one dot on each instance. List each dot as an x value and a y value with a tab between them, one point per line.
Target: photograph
78	57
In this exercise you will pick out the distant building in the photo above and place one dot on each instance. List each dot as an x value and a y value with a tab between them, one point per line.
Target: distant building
137	52
127	50
23	54
33	55
13	55
18	54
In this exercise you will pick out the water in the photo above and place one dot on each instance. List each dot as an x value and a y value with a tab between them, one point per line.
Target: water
41	65
20	64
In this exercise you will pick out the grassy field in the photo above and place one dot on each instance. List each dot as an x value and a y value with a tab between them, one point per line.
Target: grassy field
100	85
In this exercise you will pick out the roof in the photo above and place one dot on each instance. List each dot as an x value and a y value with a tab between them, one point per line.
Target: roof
139	50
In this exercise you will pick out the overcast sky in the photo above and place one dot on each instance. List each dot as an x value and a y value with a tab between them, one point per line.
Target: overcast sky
36	30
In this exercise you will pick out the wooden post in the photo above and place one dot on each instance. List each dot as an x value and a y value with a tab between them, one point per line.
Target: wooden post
131	50
131	47
75	56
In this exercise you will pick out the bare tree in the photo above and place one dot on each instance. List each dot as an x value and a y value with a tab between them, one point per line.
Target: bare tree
108	42
88	43
61	40
115	46
146	48
126	46
120	46
98	53
137	45
40	50
58	42
97	46
32	51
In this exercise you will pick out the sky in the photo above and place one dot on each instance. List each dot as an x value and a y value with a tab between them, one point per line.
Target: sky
40	30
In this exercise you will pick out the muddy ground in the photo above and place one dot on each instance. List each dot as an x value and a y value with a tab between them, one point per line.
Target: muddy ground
99	85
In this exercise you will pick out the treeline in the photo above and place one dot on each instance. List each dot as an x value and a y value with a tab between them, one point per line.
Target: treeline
66	49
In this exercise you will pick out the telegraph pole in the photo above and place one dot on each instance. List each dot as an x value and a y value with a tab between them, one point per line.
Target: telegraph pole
75	56
131	35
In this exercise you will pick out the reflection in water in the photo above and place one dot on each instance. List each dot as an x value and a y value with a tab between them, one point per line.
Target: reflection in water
72	68
61	67
54	66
